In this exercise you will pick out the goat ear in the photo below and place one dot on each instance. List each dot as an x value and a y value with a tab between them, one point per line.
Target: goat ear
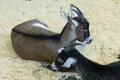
73	11
69	62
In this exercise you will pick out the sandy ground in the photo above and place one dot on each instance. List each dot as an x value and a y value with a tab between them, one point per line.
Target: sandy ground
104	18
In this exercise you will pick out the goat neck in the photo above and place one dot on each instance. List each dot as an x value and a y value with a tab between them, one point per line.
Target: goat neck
93	71
68	35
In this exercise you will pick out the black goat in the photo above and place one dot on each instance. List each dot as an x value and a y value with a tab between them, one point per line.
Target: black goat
88	69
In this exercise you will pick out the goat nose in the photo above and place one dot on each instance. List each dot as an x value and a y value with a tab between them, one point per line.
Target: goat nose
90	39
51	68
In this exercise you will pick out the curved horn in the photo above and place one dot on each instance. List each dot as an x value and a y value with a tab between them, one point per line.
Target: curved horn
75	8
77	11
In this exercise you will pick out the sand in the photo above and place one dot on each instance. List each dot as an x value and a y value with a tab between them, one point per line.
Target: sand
104	18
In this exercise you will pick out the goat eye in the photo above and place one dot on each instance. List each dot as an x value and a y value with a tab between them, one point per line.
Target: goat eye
86	24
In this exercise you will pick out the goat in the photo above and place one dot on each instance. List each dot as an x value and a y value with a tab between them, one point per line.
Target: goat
89	70
33	40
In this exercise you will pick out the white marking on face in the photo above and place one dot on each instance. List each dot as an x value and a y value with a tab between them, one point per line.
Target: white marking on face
74	24
60	50
83	45
70	61
53	66
40	25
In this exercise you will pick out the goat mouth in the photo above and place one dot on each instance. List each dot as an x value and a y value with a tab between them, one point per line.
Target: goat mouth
89	41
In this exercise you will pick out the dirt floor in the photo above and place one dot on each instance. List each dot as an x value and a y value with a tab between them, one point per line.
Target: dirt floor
104	18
